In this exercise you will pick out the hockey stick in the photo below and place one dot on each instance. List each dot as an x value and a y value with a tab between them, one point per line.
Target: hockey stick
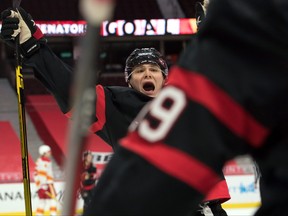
95	12
22	123
54	198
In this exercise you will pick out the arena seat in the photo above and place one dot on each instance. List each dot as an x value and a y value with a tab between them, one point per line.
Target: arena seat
131	9
188	8
52	126
10	155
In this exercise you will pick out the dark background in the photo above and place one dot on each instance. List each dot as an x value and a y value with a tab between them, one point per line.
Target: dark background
68	9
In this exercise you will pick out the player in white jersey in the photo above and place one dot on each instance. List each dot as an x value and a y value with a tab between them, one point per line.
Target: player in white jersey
44	182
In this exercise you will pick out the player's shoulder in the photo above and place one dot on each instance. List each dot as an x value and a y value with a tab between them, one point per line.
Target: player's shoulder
119	91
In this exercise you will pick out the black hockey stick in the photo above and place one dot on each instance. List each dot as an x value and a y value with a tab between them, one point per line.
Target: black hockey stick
22	122
95	12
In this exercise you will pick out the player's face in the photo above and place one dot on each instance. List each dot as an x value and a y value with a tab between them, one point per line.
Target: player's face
89	158
148	79
48	154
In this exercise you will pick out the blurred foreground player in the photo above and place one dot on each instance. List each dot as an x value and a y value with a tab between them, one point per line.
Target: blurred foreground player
145	73
227	96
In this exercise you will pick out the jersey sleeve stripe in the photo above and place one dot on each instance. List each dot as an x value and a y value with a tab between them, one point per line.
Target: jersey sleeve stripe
219	192
230	113
100	110
69	113
173	162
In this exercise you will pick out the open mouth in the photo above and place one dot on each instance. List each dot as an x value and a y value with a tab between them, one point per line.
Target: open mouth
148	87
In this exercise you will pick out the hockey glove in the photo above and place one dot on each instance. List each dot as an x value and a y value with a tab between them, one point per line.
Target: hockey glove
10	27
20	22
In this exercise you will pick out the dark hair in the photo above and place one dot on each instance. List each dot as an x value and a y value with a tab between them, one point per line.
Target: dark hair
86	153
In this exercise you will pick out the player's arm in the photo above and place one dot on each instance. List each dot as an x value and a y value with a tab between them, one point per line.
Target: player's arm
54	74
50	70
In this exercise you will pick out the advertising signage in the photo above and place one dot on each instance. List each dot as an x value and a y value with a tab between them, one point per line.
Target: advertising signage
149	27
120	28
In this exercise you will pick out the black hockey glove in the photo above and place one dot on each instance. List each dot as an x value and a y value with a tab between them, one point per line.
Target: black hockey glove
20	22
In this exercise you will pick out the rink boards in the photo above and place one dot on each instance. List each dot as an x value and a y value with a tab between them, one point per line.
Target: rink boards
245	198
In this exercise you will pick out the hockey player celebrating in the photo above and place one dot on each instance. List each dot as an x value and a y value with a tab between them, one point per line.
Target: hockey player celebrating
146	72
44	182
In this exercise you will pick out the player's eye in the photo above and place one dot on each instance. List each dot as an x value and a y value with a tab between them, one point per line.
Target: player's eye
155	69
139	70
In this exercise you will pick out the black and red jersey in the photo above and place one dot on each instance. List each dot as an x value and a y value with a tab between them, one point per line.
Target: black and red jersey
88	177
227	96
116	106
